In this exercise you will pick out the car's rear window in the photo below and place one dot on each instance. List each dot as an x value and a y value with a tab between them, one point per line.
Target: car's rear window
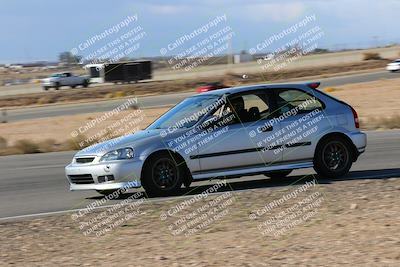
288	99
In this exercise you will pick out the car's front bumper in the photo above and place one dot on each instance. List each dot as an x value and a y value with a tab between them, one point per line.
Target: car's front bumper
47	83
126	174
393	67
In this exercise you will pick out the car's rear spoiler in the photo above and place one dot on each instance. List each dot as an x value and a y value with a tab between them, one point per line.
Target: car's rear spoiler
313	85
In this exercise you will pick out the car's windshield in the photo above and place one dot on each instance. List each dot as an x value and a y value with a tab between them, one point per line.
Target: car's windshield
187	113
56	75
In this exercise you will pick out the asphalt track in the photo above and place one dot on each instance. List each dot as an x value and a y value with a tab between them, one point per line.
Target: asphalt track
161	100
31	185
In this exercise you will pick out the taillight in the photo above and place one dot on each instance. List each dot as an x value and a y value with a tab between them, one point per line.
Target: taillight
355	116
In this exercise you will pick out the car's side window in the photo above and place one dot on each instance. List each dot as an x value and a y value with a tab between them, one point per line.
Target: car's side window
296	101
249	107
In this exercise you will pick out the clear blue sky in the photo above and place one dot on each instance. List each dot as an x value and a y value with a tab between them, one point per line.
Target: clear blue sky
41	29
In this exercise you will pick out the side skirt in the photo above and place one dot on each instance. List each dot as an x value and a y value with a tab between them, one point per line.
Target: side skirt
251	170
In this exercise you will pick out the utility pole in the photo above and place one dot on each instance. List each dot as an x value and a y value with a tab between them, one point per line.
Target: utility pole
230	53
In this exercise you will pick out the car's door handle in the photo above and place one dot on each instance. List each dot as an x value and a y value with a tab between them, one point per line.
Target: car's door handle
267	128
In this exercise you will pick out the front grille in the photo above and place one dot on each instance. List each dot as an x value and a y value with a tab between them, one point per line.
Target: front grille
81	179
84	160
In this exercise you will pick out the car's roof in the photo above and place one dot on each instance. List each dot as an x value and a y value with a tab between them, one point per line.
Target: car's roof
239	89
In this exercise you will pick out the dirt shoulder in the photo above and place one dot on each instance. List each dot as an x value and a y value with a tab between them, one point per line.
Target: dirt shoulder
354	223
64	133
377	103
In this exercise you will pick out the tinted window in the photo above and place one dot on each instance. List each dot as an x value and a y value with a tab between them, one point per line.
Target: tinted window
248	107
293	99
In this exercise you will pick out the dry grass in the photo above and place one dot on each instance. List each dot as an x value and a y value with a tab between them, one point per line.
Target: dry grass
47	99
376	103
162	87
371	56
119	94
116	94
26	146
58	137
3	143
47	145
330	89
73	144
392	122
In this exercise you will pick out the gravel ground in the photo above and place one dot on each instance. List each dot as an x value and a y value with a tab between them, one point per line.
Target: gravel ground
310	223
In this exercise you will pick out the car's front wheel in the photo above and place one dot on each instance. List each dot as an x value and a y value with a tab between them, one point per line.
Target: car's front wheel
333	157
162	175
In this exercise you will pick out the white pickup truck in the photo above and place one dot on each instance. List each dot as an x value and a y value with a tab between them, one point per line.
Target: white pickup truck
64	79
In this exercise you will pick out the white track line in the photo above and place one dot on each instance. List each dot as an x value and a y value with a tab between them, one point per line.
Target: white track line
24	216
372	176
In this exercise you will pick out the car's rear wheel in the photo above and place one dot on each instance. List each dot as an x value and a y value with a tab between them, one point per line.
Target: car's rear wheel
278	174
162	175
333	157
85	84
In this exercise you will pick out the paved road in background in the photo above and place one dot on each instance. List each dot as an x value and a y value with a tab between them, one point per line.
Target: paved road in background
84	108
169	73
162	100
31	184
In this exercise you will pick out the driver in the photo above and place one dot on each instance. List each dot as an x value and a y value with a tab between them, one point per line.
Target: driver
237	107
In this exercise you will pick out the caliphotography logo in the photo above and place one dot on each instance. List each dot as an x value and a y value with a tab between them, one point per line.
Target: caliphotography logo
199	133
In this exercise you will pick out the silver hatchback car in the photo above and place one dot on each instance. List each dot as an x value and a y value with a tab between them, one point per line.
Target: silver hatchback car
267	129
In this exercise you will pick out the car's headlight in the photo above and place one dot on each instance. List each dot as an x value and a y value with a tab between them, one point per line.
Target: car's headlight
123	153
